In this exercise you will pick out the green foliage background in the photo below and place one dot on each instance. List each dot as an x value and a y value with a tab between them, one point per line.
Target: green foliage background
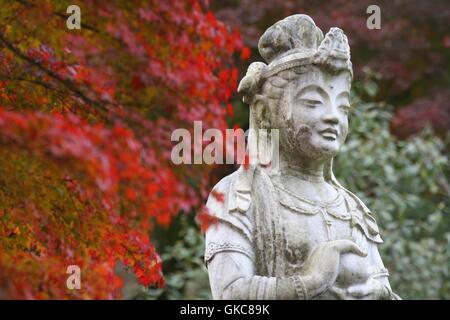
406	185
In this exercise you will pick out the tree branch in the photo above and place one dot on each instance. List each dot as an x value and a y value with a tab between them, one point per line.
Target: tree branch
66	83
58	14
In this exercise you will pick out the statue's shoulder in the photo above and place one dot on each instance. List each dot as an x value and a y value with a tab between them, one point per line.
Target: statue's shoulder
232	230
221	205
219	197
362	217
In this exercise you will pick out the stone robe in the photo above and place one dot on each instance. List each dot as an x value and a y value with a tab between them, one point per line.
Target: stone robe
275	236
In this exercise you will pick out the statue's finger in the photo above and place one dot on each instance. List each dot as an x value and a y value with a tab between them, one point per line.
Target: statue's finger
359	290
348	246
339	292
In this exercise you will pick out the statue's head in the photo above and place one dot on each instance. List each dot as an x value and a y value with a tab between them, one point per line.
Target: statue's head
304	88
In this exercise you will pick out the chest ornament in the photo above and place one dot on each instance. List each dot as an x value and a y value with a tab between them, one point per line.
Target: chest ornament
341	208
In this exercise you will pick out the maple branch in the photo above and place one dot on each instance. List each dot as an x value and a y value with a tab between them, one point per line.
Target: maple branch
67	83
58	14
37	82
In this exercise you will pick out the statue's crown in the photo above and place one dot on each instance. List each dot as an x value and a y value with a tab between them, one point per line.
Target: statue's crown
296	40
292	42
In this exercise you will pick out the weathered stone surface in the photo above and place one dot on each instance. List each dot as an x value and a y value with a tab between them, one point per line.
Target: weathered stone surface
290	230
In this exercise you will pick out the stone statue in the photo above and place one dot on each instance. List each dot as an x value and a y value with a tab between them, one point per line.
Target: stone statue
293	232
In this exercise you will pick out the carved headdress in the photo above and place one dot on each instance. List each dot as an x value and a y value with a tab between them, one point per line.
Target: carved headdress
293	42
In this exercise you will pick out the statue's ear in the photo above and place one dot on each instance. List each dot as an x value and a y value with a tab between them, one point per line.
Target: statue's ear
250	84
261	109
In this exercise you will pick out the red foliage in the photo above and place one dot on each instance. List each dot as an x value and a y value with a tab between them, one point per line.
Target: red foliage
85	123
206	219
218	196
413	118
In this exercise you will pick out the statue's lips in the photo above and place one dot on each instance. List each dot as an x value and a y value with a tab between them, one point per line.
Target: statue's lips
329	133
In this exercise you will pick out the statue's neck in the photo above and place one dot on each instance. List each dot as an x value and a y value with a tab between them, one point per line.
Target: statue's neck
306	179
303	169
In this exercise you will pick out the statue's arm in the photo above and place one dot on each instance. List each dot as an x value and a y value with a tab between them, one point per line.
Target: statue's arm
230	258
232	273
232	276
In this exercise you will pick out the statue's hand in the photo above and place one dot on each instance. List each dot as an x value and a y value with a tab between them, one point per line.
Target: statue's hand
322	266
372	289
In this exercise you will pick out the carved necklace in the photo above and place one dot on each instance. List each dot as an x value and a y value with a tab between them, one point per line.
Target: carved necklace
322	204
297	172
306	177
322	207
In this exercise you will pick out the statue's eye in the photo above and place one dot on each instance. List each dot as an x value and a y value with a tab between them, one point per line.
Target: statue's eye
345	108
310	103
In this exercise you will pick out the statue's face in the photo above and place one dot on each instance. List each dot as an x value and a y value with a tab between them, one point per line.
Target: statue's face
317	106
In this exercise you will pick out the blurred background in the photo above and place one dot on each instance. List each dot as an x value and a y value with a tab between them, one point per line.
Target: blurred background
152	66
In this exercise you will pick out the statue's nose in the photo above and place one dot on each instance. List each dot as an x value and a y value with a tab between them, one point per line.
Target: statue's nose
330	116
